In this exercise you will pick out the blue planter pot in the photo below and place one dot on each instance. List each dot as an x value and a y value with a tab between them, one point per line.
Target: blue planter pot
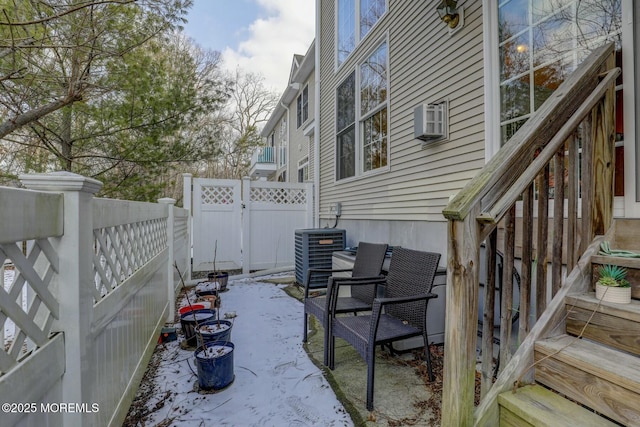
191	319
211	332
215	367
219	277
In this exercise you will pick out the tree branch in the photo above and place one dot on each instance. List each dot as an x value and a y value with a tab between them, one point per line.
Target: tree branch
22	119
66	12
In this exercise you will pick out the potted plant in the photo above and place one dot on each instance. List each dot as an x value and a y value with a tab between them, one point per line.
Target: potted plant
214	361
218	278
612	285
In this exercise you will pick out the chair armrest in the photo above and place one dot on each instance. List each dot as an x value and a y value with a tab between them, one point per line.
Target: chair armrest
335	282
311	271
355	281
400	300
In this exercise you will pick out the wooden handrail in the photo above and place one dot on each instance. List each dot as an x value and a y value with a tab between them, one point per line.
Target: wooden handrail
499	209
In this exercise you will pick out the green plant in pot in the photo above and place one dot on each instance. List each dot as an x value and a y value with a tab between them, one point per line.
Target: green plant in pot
612	285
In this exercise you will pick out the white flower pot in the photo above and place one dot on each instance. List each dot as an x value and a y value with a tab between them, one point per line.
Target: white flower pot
613	294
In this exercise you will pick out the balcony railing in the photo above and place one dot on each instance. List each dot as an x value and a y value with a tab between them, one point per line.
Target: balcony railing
263	155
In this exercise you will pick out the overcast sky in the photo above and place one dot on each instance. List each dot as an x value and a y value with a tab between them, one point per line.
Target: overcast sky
256	35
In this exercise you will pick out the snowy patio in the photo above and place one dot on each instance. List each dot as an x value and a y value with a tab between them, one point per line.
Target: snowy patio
276	381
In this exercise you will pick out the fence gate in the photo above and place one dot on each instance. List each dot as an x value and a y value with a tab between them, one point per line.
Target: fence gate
253	222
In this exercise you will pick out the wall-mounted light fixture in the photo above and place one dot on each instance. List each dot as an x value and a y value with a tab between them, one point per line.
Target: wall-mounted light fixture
450	13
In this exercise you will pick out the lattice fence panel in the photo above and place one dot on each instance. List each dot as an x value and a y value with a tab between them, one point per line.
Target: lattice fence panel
279	196
218	195
122	250
27	305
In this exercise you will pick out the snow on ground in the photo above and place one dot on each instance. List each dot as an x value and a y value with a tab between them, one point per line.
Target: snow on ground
276	383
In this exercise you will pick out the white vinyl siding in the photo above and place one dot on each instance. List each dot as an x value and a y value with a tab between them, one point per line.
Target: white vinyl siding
419	182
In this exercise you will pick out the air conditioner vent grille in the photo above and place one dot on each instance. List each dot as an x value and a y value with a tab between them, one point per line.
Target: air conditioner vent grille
313	249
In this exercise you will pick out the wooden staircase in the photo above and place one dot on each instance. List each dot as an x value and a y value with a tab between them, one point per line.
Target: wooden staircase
589	375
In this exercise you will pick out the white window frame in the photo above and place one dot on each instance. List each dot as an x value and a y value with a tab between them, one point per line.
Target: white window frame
361	118
303	165
626	206
357	31
302	107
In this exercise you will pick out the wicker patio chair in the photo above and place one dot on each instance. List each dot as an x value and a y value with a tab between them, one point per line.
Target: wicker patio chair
408	291
366	271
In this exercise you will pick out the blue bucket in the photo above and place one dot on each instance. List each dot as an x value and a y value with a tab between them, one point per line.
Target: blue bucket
215	373
214	331
191	319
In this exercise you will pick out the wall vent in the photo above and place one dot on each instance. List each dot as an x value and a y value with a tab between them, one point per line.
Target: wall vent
430	121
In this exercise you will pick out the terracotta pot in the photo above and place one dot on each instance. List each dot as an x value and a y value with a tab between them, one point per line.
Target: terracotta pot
613	294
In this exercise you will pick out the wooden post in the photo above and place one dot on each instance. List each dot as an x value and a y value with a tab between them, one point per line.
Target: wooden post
461	321
506	308
558	221
543	232
488	313
603	163
526	266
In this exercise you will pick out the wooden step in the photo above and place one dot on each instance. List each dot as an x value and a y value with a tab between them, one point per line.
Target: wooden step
616	325
534	405
601	378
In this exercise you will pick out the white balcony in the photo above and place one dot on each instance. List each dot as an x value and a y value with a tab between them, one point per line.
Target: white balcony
263	162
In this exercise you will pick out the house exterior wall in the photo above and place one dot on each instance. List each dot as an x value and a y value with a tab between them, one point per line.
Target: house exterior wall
426	64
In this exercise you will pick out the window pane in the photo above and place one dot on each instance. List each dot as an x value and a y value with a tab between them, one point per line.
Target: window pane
374	147
512	19
553	38
515	99
514	57
370	13
346	29
346	149
373	76
545	81
305	104
510	129
346	103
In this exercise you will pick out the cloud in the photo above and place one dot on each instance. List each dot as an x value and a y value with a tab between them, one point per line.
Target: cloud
287	27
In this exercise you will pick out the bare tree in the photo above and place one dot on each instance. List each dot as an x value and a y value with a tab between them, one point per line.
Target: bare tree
248	109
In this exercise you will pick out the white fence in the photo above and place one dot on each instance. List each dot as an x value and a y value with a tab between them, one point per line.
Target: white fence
99	280
252	223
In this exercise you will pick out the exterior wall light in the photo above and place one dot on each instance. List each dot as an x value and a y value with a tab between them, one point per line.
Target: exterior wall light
450	13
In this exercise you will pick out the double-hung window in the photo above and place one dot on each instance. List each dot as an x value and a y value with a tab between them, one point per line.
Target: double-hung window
302	107
345	126
355	18
362	104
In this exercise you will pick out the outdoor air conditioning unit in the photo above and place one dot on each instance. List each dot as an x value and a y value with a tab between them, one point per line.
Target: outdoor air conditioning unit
430	121
314	249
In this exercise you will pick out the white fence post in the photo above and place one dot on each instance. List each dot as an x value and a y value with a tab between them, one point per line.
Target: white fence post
187	203
74	286
171	258
246	225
